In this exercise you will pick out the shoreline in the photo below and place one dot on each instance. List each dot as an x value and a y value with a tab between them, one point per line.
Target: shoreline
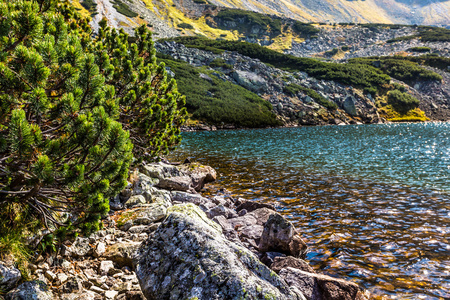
204	127
148	242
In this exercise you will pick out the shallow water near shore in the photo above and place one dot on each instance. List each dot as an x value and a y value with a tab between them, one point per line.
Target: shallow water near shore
372	201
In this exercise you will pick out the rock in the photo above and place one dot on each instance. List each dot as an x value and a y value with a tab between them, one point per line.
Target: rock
62	278
111	294
249	80
97	290
50	275
84	295
122	253
268	257
188	257
256	217
180	178
178	183
80	247
105	266
199	174
250	206
9	277
349	106
189	198
289	261
221	210
223	222
135	200
280	235
143	183
99	249
73	285
144	215
319	287
138	229
30	290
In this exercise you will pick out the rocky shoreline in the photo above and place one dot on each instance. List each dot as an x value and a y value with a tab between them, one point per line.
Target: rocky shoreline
164	240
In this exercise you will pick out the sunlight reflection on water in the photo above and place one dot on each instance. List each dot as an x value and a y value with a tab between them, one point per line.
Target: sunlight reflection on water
372	201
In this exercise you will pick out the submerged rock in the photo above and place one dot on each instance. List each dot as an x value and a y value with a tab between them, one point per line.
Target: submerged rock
187	257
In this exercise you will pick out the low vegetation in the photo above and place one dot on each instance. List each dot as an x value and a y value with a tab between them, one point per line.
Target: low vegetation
399	68
420	49
402	102
426	34
361	75
293	89
90	5
214	101
123	9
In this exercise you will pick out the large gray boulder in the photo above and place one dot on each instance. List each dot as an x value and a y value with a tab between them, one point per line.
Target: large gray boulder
30	290
187	257
9	277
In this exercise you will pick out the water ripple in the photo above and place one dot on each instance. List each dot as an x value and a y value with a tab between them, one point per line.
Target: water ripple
371	201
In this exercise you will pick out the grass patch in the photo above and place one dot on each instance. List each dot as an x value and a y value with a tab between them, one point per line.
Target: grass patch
219	102
414	115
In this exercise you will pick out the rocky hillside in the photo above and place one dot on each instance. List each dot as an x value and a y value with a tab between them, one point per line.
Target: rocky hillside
311	93
302	99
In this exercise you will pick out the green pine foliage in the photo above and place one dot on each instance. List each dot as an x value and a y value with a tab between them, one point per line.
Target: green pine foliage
73	111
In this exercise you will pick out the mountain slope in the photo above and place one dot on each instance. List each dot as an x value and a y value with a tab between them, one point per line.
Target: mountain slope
167	15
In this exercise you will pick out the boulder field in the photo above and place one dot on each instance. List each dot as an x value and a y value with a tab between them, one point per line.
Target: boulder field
164	240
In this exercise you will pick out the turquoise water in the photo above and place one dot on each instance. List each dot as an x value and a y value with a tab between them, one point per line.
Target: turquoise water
372	201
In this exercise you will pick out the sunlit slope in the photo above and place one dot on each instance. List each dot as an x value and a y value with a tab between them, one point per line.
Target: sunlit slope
374	11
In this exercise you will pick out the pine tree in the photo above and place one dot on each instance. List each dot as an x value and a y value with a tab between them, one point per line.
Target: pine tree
71	108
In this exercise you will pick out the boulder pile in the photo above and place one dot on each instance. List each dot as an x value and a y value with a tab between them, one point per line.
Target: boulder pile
163	240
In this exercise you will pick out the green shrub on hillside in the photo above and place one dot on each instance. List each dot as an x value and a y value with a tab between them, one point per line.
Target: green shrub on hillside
251	19
399	68
426	34
420	49
123	9
359	75
402	102
185	26
304	30
220	102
